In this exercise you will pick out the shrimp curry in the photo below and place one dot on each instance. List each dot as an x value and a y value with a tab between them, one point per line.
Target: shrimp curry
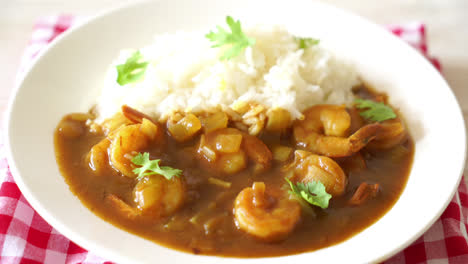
209	184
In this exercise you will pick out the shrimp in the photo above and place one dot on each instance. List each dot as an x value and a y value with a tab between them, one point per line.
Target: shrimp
258	152
132	138
325	128
123	139
128	140
392	133
97	157
308	167
158	196
154	196
268	215
333	120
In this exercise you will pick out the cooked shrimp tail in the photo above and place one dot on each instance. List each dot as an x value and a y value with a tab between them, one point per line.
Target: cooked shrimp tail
363	136
122	207
134	115
363	193
391	133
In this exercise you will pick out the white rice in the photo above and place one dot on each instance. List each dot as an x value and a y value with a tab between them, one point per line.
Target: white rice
186	75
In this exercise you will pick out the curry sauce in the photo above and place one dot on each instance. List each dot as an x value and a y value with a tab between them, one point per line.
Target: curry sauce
205	223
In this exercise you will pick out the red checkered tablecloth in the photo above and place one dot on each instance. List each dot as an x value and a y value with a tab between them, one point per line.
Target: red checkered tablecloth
26	238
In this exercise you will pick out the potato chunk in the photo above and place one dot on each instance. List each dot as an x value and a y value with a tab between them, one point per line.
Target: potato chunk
281	153
214	122
185	128
278	120
228	143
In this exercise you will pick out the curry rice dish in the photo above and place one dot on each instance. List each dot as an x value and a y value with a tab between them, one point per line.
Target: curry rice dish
244	179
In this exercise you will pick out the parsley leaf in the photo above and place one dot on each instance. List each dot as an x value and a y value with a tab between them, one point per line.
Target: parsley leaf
304	43
237	40
132	70
150	167
375	111
312	192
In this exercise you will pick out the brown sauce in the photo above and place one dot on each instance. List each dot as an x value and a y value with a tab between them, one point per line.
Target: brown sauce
214	231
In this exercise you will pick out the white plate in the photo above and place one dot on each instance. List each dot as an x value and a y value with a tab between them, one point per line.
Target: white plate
67	75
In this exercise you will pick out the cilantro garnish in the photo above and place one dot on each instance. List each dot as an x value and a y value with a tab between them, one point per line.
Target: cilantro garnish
150	167
375	111
312	192
132	70
304	43
236	39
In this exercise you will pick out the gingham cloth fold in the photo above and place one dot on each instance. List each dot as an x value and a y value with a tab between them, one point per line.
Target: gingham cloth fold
26	238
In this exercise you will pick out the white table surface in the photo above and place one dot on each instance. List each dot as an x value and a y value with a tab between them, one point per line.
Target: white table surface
446	22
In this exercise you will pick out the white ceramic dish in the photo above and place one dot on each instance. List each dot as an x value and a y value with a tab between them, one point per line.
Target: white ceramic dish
65	78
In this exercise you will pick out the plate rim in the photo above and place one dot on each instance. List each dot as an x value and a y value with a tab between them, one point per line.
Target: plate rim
38	207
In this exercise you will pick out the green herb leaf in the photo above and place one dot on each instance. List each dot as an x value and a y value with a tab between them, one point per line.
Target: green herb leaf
150	167
132	70
304	43
312	192
375	111
237	40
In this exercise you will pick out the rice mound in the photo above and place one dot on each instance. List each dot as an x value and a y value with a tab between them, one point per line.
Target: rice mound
186	75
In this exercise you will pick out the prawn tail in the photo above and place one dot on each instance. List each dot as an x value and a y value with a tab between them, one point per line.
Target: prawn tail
134	115
124	209
363	136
